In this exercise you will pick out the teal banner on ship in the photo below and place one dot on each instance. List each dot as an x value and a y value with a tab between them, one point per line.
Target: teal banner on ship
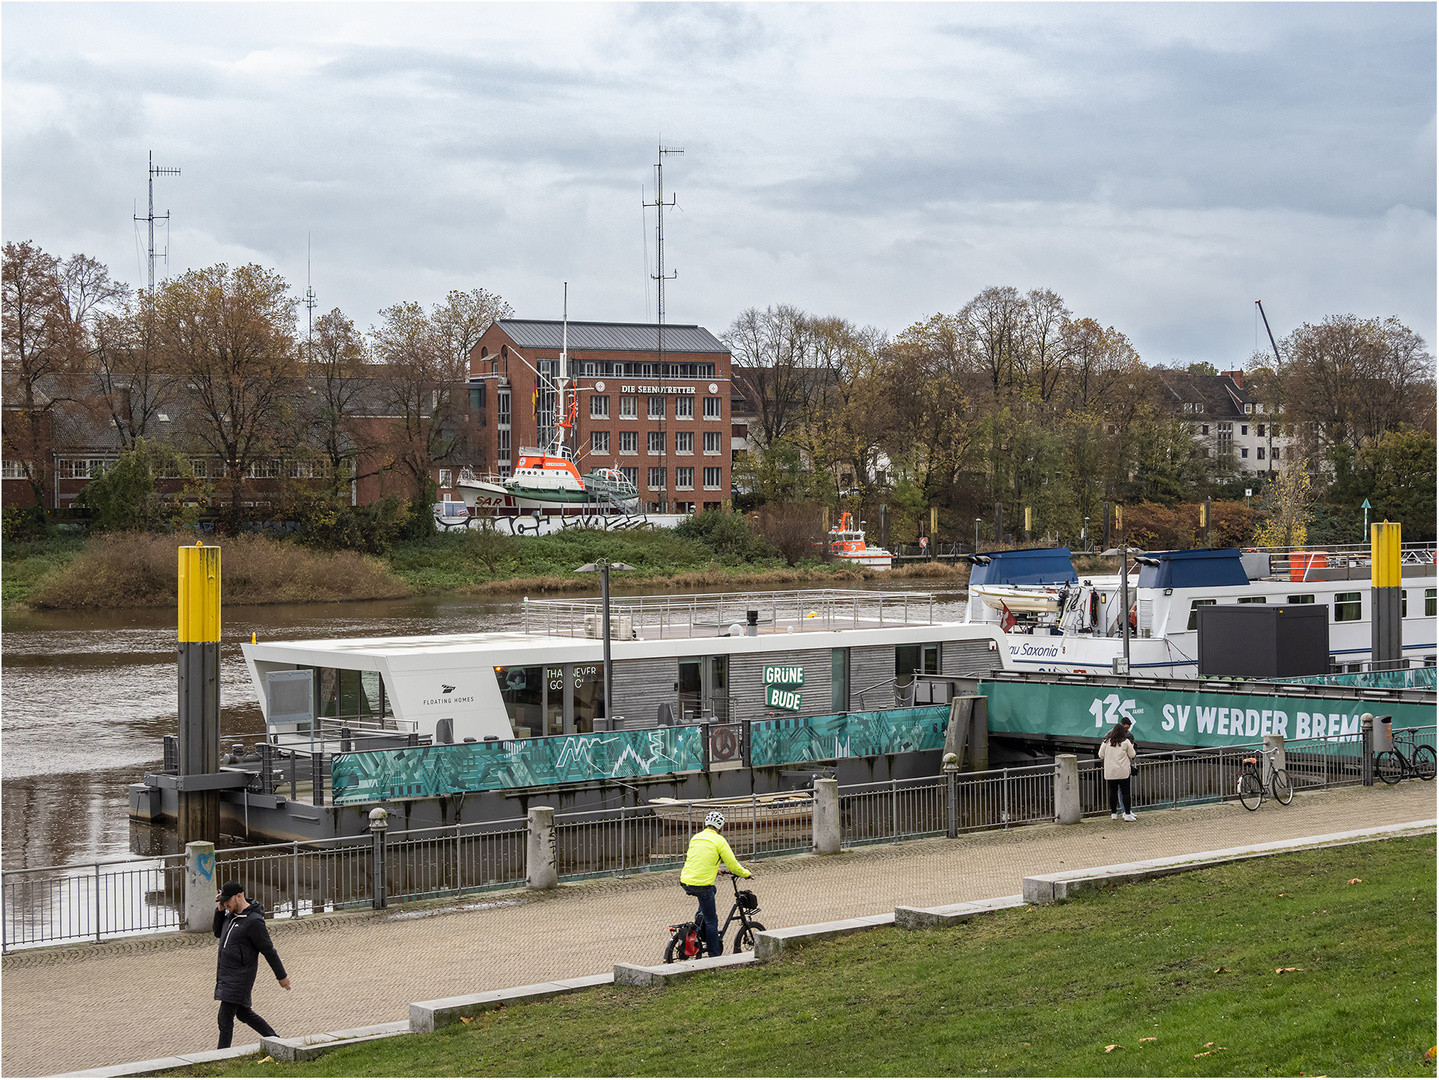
425	772
1187	718
846	735
1420	678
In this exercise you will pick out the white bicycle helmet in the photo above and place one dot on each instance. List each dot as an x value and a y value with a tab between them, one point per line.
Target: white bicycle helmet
714	820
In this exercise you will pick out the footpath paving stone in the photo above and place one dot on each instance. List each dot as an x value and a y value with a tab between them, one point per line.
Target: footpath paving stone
81	1007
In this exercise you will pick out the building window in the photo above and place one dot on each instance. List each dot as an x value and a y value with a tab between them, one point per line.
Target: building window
713	475
1244	452
1194	606
656	409
14	470
1259	453
599	406
1248	408
198	466
502	407
1244	429
712	408
1348	607
684	441
656	443
712	506
685	479
1259	431
1204	429
712	442
657	478
684	408
444	478
629	441
599	442
502	445
632	474
629	407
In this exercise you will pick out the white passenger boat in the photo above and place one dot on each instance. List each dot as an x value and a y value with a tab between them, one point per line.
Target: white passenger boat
1054	620
675	659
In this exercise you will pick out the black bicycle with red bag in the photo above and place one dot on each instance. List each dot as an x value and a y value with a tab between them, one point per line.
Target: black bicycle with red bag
687	940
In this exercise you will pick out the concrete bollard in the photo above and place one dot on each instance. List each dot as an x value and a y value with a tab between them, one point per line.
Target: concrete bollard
200	887
540	872
1273	742
1067	807
827	838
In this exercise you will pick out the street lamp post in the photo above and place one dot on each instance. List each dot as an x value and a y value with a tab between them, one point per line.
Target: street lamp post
604	566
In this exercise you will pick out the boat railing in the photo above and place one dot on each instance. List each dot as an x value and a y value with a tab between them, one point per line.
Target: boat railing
716	614
1286	561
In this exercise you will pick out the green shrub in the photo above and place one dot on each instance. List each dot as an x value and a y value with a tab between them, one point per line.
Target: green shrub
728	535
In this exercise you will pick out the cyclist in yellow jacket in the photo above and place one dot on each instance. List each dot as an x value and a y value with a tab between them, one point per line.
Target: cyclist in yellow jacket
707	849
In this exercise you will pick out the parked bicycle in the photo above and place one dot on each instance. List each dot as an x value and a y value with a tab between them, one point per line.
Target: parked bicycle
1251	782
687	940
1407	758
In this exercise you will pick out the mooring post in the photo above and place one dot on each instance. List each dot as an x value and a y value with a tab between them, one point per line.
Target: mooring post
1366	751
379	825
1386	628
198	631
826	839
200	888
1067	807
951	795
540	871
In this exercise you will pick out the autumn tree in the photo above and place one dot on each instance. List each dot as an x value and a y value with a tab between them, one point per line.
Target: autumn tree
341	386
229	335
773	363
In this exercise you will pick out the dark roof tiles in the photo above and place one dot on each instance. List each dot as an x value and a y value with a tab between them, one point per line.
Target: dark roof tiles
611	337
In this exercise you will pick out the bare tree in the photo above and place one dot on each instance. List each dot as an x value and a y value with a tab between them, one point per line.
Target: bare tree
771	360
133	383
230	337
340	381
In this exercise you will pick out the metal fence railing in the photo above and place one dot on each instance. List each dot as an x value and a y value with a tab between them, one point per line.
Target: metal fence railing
94	901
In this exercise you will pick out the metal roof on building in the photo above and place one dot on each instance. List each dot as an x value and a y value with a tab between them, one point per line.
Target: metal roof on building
611	337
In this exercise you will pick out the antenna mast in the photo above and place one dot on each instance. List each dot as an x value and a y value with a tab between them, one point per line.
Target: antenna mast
150	218
309	298
660	278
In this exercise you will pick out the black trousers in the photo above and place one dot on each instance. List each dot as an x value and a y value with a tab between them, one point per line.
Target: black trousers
229	1010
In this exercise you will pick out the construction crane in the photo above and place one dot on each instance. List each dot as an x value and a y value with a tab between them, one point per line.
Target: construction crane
1260	305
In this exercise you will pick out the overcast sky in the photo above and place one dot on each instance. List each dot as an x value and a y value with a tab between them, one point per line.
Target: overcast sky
1159	166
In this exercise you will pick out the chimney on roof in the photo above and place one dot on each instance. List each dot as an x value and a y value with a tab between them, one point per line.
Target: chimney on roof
1237	376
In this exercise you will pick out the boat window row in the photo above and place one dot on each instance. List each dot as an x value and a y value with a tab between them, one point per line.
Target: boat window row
341	694
1348	606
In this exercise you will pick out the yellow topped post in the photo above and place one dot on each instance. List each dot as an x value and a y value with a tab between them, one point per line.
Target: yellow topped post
199	593
1384	554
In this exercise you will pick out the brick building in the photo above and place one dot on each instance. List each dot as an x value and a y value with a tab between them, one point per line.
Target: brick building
659	411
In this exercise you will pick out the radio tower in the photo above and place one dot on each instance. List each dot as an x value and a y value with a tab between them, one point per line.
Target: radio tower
659	276
150	218
309	301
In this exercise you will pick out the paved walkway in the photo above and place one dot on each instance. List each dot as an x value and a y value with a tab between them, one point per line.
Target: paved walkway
87	1006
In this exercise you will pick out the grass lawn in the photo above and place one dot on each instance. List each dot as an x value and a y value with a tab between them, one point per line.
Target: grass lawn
1275	966
25	562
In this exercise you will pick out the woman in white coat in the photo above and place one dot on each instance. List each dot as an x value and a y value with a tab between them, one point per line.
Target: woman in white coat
1116	752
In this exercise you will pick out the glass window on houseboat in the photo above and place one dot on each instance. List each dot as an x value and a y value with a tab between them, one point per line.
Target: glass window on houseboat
1303	598
351	695
1404	603
839	680
912	660
522	689
588	682
1430	602
1254	600
1348	607
1194	606
554	701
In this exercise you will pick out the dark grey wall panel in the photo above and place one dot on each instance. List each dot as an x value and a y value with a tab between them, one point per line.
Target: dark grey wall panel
967	657
640	686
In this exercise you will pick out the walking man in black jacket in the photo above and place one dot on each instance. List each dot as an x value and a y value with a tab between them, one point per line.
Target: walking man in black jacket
240	926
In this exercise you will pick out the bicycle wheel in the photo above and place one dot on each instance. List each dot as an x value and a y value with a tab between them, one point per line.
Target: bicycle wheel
1389	766
1251	791
1423	762
1282	788
744	937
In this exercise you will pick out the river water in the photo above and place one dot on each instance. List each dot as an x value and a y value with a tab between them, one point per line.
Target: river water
86	698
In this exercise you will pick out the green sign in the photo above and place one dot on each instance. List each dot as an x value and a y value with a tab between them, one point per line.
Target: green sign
427	772
778	698
1186	718
783	675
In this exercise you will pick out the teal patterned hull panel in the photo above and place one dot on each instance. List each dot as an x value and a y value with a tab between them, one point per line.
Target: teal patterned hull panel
791	740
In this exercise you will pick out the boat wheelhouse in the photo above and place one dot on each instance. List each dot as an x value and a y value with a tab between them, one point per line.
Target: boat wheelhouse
675	658
1055	620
